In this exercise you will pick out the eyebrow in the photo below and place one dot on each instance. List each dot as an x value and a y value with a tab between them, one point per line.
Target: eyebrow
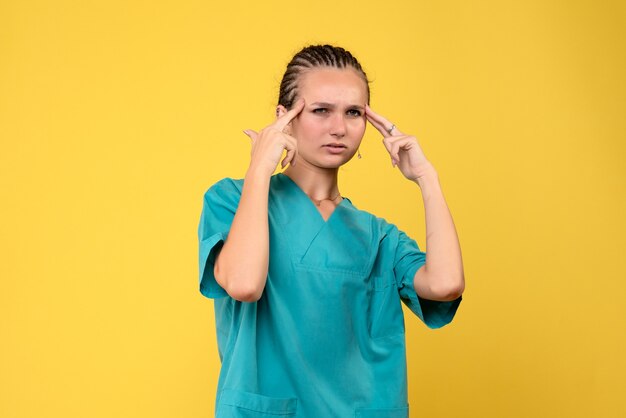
332	105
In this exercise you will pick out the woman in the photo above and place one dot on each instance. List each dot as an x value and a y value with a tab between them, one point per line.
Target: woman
307	287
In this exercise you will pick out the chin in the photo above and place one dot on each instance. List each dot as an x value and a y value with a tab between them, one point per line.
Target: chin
334	164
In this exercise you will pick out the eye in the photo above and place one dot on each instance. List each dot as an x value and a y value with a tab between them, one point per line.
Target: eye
354	112
320	110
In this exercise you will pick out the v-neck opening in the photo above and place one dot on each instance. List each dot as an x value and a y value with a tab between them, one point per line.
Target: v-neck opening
312	204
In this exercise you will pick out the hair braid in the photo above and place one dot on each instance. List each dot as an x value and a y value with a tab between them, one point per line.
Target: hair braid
315	56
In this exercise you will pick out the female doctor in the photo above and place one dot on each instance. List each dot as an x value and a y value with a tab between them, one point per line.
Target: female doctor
307	288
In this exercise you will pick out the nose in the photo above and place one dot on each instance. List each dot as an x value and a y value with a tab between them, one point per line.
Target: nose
338	126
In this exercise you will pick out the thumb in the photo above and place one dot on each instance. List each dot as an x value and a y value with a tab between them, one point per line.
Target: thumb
251	134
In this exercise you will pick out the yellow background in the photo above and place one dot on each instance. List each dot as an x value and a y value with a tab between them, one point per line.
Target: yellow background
116	116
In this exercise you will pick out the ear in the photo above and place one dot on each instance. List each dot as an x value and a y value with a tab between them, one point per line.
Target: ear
280	110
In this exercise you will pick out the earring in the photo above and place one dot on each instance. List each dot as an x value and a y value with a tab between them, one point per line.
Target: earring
358	153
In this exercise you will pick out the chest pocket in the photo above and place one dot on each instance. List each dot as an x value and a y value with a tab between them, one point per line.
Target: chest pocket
387	318
238	404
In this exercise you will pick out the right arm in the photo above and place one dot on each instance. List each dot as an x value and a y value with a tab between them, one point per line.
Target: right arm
242	264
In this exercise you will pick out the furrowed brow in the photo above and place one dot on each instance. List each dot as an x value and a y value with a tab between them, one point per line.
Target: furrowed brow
324	104
332	105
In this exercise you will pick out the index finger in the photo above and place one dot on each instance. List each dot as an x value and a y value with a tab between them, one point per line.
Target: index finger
380	123
284	120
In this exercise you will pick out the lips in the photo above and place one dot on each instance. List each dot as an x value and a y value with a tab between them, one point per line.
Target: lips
335	148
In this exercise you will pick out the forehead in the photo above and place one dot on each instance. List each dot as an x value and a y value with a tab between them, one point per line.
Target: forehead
332	85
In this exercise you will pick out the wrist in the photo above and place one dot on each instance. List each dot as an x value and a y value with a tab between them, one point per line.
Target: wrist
256	186
427	176
256	171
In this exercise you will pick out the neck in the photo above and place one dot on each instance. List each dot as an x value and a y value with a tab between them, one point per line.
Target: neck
318	183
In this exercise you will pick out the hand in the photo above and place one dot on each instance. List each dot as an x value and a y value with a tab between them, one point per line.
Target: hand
404	150
269	143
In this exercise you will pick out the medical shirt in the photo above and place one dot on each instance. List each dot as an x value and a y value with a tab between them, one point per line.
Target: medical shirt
326	338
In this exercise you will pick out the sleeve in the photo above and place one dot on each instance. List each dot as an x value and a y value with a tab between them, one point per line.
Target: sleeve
218	211
409	258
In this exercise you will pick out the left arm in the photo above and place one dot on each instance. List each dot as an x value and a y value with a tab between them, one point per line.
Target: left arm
441	278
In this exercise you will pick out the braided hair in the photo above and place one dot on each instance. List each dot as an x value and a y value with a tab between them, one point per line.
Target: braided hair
312	57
